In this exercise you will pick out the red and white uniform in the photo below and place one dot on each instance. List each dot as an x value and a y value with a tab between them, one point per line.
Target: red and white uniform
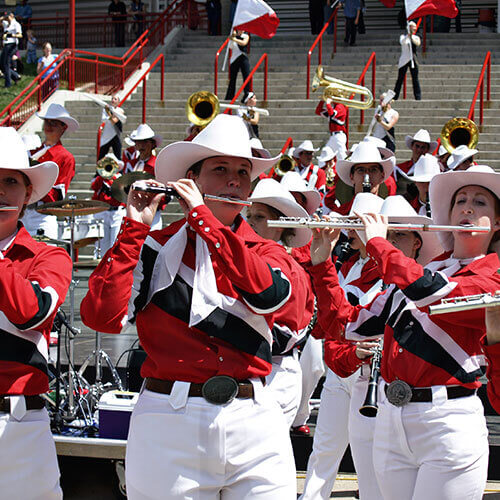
231	336
492	353
447	436
337	117
32	220
357	277
314	177
129	154
406	167
34	279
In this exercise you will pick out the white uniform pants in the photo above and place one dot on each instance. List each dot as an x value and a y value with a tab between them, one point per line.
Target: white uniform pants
330	437
285	380
112	220
313	367
33	221
431	451
28	460
186	448
338	143
361	430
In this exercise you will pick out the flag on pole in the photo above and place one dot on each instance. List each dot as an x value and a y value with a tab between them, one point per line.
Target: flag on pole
256	17
419	8
389	3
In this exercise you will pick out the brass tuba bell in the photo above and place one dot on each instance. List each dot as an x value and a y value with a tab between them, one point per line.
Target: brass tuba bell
107	167
202	107
340	91
458	131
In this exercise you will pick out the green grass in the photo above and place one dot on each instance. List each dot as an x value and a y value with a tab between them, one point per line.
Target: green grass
8	95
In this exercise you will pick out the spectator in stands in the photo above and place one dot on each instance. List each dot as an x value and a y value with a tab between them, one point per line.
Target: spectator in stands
316	8
11	34
48	61
352	11
118	12
214	13
23	15
137	10
31	46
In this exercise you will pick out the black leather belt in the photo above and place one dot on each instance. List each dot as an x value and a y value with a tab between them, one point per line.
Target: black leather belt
424	394
32	403
217	390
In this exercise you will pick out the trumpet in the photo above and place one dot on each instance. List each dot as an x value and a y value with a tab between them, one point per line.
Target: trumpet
466	303
356	223
285	164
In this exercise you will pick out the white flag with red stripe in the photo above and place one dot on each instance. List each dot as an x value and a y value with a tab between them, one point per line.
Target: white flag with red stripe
419	8
256	17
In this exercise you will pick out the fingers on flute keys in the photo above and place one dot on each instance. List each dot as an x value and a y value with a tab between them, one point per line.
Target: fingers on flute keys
375	225
141	205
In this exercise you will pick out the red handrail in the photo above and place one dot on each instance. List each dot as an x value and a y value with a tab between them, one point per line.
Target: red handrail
319	39
480	88
288	144
263	59
216	63
372	60
160	58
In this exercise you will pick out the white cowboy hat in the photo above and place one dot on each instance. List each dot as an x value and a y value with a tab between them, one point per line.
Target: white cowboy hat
421	136
15	157
442	151
272	193
248	97
307	146
225	135
445	185
258	150
327	154
144	132
365	152
384	151
291	152
31	141
459	155
293	182
365	203
424	170
399	211
58	112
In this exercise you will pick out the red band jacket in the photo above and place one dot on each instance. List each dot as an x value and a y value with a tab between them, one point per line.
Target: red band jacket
337	115
492	353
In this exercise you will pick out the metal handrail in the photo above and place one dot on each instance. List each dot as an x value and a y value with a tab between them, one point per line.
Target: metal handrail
319	40
263	59
480	88
216	63
372	60
288	144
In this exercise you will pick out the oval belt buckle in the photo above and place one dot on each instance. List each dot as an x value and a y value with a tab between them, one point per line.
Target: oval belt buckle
398	393
220	390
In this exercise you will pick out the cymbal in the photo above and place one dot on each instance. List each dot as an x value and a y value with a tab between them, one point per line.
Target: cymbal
121	186
70	207
50	241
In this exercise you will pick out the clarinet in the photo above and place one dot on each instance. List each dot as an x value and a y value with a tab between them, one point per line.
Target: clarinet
427	205
367	185
370	406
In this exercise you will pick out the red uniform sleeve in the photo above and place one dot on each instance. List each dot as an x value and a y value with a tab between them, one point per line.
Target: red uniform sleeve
391	186
338	113
341	358
66	173
104	308
31	302
492	353
320	109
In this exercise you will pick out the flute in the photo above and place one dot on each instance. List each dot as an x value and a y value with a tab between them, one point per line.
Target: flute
169	191
355	223
466	303
8	209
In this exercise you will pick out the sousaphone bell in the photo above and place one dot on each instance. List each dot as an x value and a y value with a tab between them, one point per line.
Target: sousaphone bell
459	131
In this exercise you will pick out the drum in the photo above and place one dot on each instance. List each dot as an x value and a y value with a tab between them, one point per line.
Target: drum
86	231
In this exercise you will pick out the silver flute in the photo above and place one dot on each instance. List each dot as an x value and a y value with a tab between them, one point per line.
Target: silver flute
466	303
8	209
356	223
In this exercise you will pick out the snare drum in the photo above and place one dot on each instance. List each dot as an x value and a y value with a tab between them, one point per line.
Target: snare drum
86	231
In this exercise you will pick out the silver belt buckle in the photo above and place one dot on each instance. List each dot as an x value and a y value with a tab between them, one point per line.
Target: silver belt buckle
398	393
220	390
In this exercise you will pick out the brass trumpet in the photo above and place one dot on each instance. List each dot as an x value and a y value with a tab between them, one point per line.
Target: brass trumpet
285	164
107	167
341	91
458	131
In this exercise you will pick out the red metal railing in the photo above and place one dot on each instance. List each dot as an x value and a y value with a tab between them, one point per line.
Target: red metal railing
319	43
160	59
249	79
216	63
288	144
480	89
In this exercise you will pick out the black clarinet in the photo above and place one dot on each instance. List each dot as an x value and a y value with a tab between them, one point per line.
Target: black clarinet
370	406
367	185
428	205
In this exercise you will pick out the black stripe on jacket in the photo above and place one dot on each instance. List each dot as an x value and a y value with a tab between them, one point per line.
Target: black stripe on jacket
44	304
20	350
429	284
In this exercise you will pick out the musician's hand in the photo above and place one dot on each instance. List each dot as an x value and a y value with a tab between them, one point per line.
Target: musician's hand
323	242
365	349
378	117
190	194
493	325
375	225
142	206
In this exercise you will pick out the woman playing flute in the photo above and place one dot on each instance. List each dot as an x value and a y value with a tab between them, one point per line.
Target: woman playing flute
430	437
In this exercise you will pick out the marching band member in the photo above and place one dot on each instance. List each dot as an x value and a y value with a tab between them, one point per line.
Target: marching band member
420	144
461	158
34	280
312	174
129	154
113	118
409	42
250	116
430	435
442	156
56	121
357	276
337	115
326	161
386	120
426	168
203	292
270	201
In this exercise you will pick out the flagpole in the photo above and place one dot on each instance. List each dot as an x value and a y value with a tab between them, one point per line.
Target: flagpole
227	51
408	29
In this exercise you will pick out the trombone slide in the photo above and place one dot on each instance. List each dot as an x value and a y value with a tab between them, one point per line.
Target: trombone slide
466	303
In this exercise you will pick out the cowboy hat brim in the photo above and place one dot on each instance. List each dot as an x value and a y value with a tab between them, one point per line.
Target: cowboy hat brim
42	177
344	169
70	122
456	162
409	139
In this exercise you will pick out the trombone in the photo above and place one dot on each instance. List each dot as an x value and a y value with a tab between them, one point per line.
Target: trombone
355	223
466	303
203	106
458	131
340	91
